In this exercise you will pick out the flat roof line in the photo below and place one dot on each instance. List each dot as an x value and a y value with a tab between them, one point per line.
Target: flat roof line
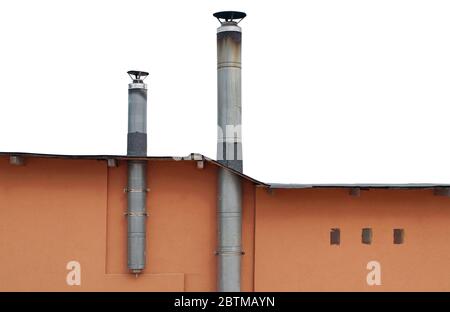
190	157
197	157
359	185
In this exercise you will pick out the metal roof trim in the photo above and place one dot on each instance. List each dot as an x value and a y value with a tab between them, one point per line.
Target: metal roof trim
93	157
197	157
237	172
190	157
360	185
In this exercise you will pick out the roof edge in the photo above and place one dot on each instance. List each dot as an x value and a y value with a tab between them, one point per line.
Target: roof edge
197	157
190	157
361	186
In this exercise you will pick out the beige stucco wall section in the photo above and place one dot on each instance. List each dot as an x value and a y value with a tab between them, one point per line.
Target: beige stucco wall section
181	224
293	251
57	210
54	211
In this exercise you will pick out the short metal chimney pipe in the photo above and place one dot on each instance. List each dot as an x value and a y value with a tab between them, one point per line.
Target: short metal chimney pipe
229	151
137	171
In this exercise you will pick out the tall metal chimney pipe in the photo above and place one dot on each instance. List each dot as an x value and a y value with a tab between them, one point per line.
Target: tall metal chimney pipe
229	151
137	171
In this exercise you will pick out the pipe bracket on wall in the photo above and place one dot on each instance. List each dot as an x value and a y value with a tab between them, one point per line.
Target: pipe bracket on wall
131	190
136	214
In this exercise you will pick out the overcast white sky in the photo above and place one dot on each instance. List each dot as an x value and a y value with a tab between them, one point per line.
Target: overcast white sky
333	91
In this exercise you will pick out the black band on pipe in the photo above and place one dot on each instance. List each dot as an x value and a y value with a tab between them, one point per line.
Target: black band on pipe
137	144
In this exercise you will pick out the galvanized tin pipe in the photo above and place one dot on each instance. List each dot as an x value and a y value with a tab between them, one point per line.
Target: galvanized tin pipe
229	143
229	229
229	152
137	172
137	118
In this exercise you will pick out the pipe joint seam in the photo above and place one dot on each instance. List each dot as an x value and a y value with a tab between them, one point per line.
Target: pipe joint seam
137	86
229	253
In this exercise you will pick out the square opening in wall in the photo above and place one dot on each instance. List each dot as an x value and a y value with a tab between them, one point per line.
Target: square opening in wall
335	236
399	236
366	237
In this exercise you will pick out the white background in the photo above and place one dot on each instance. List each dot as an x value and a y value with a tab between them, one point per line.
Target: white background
333	91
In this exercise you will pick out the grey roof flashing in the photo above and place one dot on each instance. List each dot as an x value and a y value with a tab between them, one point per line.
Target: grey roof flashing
361	186
196	157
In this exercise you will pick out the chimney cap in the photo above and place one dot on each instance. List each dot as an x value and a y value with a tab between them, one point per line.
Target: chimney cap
229	16
137	75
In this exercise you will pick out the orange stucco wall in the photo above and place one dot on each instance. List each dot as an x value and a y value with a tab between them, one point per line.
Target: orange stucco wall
293	251
58	210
